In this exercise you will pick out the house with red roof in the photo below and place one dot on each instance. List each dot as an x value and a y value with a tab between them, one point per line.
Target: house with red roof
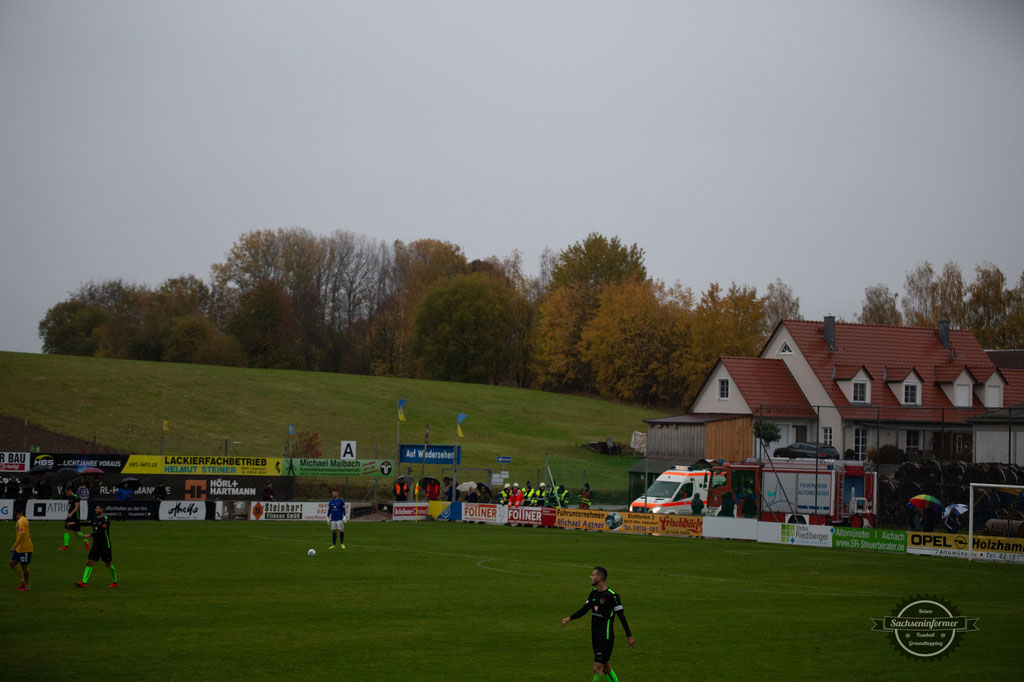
853	386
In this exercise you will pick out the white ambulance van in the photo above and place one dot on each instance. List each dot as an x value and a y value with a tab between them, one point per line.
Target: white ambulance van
673	491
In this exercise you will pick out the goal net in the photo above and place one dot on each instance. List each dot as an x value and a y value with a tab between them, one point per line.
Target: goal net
994	521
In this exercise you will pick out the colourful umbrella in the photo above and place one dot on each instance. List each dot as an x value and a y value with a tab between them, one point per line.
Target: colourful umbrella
924	501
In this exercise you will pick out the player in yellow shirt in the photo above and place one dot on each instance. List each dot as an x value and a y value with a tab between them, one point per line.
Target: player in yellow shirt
21	550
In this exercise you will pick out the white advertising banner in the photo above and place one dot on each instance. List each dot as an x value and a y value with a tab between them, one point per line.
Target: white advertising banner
14	462
795	534
46	510
730	528
485	513
292	511
410	511
187	510
6	510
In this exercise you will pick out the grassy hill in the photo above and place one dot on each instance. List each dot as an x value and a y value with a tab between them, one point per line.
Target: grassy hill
122	403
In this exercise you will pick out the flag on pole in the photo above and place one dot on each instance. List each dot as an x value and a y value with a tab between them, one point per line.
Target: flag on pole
426	434
166	426
291	429
458	426
401	410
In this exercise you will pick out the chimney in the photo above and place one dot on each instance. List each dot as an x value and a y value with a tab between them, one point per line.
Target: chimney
830	331
944	333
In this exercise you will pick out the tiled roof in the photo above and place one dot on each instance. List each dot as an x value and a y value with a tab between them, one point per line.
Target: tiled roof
767	382
1007	359
1013	392
896	373
879	347
948	374
844	372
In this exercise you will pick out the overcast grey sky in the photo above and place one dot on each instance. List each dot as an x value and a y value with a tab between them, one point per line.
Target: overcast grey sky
833	144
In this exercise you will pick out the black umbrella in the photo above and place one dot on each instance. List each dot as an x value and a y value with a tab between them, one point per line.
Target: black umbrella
64	474
132	483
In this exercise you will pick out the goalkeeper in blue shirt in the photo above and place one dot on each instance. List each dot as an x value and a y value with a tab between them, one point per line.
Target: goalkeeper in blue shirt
336	519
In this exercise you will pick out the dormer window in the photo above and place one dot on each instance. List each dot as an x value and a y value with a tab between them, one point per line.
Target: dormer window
993	396
785	350
860	391
723	389
911	394
963	395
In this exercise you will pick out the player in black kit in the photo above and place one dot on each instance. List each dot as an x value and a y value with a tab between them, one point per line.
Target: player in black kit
101	548
603	605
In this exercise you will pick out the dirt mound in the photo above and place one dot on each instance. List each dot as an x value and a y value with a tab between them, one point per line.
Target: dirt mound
16	437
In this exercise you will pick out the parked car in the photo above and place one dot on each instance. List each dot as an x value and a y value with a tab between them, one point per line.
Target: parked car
822	450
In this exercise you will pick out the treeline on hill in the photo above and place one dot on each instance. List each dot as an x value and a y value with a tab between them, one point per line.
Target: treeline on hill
592	322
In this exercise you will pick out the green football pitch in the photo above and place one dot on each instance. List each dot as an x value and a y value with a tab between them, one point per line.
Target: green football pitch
455	601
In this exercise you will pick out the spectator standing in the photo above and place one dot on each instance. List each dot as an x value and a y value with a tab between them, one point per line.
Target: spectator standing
268	492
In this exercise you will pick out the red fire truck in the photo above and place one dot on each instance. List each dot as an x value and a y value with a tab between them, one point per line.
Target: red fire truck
814	491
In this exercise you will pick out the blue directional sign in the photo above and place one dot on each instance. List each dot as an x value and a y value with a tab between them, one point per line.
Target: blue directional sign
504	460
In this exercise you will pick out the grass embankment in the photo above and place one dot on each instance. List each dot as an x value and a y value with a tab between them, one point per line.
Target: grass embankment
123	402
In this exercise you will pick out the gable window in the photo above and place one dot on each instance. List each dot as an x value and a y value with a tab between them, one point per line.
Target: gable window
963	395
785	350
723	389
910	394
826	435
860	443
914	441
993	396
860	391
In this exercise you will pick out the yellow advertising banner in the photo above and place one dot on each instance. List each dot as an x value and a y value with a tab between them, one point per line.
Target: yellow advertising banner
221	465
627	522
143	464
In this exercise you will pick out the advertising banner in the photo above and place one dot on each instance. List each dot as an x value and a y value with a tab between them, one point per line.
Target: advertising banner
439	508
221	465
450	511
232	510
337	467
436	454
109	464
410	511
955	545
131	510
6	510
485	513
683	526
870	538
729	528
143	464
187	511
292	511
48	510
795	534
533	516
14	462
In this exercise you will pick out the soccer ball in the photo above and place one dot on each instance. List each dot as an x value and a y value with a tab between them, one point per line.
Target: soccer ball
311	552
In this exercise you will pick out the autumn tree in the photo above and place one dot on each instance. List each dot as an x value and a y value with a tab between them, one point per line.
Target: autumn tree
462	328
779	304
598	260
558	360
264	327
879	307
630	343
987	307
72	328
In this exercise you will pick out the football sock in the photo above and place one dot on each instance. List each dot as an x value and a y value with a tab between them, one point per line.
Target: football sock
612	676
334	538
113	573
67	537
341	537
86	574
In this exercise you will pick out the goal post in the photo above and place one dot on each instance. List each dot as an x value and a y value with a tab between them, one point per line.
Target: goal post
995	513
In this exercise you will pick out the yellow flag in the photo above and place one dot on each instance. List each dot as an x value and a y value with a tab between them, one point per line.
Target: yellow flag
166	426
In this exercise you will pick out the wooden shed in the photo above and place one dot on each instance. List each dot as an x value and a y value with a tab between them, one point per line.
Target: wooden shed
698	436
